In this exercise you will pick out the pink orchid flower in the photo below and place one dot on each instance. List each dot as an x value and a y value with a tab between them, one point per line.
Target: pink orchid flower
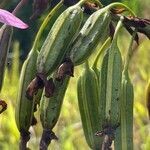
9	19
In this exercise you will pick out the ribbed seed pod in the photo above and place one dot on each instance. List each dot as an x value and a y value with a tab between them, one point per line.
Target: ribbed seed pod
88	98
50	107
59	38
114	74
103	86
124	136
110	84
5	39
94	31
50	110
127	97
27	74
25	107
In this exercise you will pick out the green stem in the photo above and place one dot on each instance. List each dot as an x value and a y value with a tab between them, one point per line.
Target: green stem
119	25
44	24
117	4
129	53
103	47
81	2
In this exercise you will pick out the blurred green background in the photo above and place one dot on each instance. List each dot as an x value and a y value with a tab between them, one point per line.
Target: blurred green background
69	127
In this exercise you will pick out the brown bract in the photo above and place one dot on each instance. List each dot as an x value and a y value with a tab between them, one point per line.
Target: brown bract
108	136
89	8
47	137
49	88
117	10
66	68
33	87
132	23
140	24
34	121
4	106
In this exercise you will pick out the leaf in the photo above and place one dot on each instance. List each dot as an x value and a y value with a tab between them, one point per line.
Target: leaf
9	19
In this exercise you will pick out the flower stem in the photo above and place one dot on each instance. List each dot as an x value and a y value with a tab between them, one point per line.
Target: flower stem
117	4
19	6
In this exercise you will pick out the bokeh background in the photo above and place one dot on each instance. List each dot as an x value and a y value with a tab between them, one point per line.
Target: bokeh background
69	127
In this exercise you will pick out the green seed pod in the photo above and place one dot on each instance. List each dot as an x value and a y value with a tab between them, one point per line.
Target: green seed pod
94	31
50	107
103	86
50	110
110	83
25	107
5	40
88	97
124	136
27	74
127	97
114	74
59	38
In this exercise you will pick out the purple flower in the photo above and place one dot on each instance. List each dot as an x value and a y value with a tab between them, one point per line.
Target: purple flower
9	19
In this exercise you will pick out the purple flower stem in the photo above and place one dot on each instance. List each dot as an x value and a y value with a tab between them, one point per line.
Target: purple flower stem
19	6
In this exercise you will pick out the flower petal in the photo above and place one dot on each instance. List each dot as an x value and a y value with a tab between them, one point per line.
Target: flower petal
9	19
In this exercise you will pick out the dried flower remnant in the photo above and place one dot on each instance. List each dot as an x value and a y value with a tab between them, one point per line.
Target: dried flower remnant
40	82
89	8
9	19
108	136
140	24
3	105
33	87
112	30
24	138
49	88
34	121
66	68
47	137
131	31
117	10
